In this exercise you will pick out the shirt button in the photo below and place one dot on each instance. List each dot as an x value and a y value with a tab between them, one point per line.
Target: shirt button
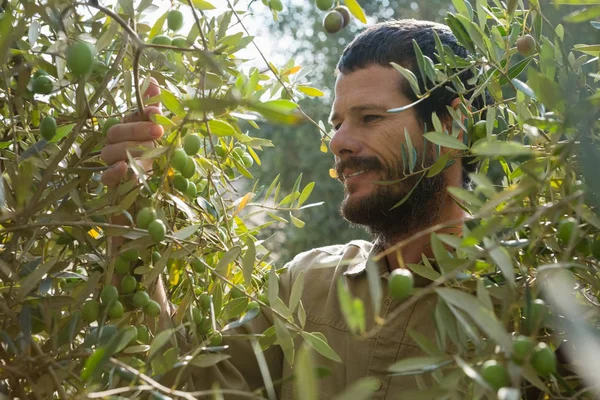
377	384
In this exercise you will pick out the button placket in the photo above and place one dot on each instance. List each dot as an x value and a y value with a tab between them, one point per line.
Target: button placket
383	353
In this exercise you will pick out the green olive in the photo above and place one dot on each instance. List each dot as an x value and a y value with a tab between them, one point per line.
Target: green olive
109	294
152	309
109	123
141	298
145	216
192	144
42	85
80	58
175	20
48	128
190	168
116	310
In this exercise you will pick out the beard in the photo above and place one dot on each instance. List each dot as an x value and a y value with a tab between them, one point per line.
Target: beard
376	213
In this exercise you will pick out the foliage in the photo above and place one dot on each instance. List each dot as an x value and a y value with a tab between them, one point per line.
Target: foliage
73	326
75	296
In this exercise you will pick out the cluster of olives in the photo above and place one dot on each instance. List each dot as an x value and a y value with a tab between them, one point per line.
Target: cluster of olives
524	349
183	162
80	62
110	301
174	23
336	19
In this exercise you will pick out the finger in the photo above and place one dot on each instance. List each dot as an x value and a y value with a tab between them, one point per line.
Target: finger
112	176
118	152
153	90
148	111
134	132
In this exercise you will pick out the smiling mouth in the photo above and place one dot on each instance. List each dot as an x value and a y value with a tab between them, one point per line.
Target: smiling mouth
357	173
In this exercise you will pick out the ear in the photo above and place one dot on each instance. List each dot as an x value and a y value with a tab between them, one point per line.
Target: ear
447	122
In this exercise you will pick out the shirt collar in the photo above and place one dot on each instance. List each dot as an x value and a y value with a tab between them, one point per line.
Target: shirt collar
361	267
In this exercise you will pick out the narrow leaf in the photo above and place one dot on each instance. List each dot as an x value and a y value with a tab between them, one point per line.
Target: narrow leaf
445	140
248	261
296	293
356	10
317	341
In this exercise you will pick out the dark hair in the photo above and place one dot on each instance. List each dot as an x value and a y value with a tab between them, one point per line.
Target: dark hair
392	41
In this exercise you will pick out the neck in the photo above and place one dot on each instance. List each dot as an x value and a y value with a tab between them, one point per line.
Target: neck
450	222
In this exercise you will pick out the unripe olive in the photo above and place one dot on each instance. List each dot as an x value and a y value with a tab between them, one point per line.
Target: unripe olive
109	294
180	42
192	144
162	40
526	45
130	255
333	22
191	191
109	123
401	283
42	85
80	58
180	183
197	315
157	230
205	301
179	159
543	359
198	265
122	265
90	311
152	309
494	374
189	169
325	5
216	339
205	326
345	13
175	20
128	284
141	298
116	310
144	217
48	128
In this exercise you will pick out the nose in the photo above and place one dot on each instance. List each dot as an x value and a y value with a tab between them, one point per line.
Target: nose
344	142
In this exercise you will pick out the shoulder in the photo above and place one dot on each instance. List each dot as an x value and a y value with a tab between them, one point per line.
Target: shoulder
329	259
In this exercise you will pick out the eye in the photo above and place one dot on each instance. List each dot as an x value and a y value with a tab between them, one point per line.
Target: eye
370	118
336	127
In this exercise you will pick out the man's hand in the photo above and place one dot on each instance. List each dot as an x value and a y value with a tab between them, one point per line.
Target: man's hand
133	132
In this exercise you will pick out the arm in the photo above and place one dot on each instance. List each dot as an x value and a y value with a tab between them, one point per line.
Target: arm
134	130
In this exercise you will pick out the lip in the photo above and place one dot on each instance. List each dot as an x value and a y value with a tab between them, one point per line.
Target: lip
348	174
355	178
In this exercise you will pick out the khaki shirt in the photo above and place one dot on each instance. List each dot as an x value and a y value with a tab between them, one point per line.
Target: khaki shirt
360	356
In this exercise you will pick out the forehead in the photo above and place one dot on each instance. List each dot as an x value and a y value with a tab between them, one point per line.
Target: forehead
373	85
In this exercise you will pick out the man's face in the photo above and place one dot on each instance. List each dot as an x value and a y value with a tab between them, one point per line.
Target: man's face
367	148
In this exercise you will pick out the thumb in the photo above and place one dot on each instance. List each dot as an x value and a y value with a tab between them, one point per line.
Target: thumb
152	91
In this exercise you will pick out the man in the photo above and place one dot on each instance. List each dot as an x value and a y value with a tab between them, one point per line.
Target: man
367	149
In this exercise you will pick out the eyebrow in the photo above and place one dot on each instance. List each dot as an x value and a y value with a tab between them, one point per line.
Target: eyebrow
362	107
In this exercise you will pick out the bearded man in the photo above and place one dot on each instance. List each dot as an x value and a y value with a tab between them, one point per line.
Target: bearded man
368	159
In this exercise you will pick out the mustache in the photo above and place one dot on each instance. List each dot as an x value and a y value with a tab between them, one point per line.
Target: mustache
357	163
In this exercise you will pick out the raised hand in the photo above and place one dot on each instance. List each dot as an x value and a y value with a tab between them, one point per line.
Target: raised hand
135	133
